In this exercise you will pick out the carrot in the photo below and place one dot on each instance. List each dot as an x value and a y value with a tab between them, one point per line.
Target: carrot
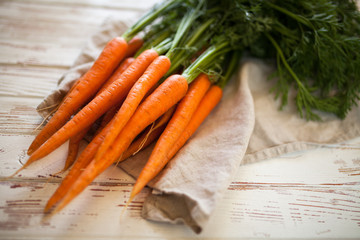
207	104
162	99
73	149
97	107
89	152
133	46
144	140
74	142
159	156
107	117
148	136
117	73
152	75
89	84
80	164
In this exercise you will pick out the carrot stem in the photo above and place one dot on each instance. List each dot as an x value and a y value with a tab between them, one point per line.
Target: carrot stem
184	26
154	41
205	60
148	18
195	42
163	46
232	66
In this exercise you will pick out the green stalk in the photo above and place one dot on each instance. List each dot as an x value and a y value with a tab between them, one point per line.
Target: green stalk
154	41
148	18
205	59
304	95
184	26
163	47
232	66
290	14
195	42
198	33
282	57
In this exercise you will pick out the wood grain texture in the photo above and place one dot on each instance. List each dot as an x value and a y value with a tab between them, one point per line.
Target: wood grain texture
309	195
28	81
49	34
284	197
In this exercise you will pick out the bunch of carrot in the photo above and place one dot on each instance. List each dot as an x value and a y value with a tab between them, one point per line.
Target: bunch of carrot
165	74
157	82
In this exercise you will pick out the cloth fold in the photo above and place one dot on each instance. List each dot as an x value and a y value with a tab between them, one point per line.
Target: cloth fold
281	131
244	128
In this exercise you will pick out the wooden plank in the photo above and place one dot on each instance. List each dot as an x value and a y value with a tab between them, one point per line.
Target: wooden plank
100	205
18	115
140	5
28	81
36	34
13	155
292	195
309	194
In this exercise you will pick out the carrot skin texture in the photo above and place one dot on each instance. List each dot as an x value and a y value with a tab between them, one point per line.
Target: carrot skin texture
89	152
73	150
97	107
133	46
85	88
150	135
81	163
152	75
111	112
117	73
183	113
74	142
162	99
107	117
142	142
207	104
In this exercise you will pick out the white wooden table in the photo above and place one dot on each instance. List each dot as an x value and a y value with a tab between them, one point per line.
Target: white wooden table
309	195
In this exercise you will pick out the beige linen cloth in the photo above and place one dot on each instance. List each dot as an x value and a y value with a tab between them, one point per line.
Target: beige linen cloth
244	128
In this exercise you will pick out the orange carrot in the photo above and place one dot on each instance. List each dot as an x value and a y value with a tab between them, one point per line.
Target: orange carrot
162	99
148	136
97	107
159	156
143	141
80	164
207	104
108	116
117	73
89	152
133	46
73	149
152	75
89	84
74	142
